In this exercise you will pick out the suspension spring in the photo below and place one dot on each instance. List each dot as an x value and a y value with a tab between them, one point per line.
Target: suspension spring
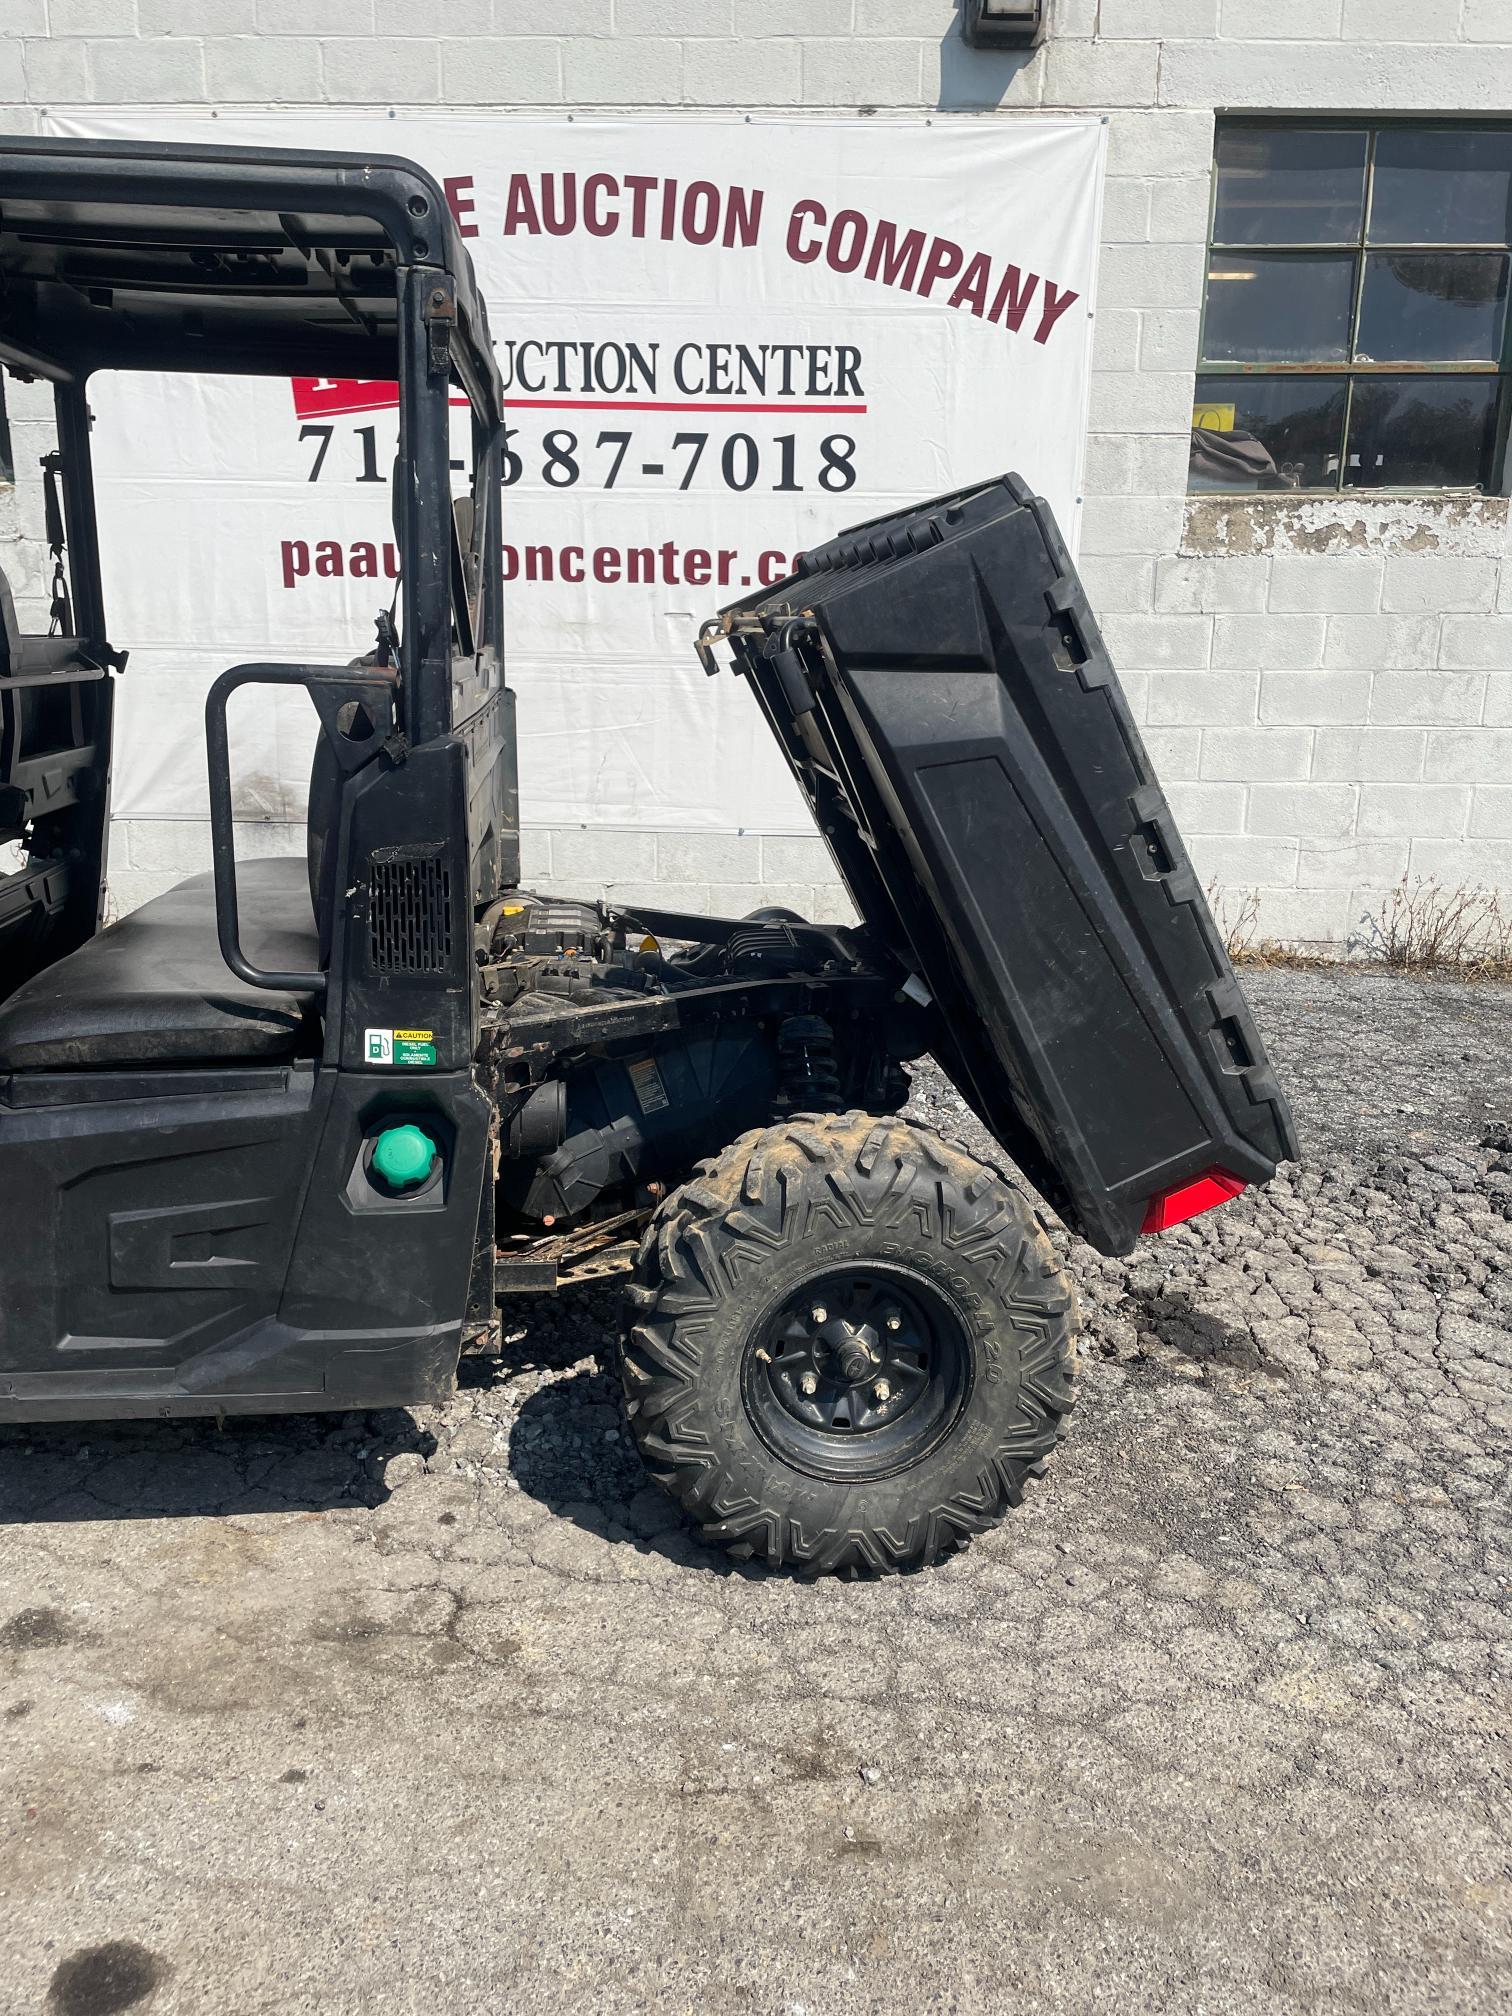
810	1072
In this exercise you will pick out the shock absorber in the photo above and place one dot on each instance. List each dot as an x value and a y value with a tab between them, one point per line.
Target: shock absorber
810	1072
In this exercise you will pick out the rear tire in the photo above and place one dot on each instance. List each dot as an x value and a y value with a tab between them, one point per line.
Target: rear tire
850	1346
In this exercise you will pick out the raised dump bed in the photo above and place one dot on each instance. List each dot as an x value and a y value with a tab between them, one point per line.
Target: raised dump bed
948	706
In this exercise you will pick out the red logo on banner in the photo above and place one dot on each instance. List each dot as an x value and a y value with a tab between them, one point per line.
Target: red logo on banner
320	398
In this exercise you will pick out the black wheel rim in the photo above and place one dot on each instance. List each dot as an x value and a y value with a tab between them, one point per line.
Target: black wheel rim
858	1373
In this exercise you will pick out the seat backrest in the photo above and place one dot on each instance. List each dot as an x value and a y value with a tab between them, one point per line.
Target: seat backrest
23	652
10	630
54	766
321	821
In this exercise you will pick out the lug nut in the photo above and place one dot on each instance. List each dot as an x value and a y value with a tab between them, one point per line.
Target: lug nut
819	1314
894	1320
882	1392
808	1385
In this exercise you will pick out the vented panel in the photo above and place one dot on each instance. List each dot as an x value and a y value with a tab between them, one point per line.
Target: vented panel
409	911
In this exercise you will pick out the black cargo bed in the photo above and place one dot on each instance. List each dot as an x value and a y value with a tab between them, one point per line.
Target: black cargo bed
941	692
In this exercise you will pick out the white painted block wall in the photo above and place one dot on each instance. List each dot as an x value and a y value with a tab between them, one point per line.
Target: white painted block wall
1326	685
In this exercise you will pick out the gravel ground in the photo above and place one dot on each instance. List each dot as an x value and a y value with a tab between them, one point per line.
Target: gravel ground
447	1714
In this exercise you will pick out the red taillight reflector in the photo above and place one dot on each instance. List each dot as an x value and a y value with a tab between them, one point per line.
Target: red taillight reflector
1174	1207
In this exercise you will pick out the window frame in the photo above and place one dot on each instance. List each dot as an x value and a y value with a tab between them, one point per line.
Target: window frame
1361	248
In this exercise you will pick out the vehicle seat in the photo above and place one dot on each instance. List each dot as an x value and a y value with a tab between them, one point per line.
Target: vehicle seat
154	989
22	651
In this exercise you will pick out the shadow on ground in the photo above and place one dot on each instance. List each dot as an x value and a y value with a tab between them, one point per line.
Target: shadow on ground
546	1414
197	1469
1171	1325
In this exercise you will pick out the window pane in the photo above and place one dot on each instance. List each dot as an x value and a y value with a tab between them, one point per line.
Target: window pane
1267	433
1433	308
1421	433
1278	308
1278	186
1441	187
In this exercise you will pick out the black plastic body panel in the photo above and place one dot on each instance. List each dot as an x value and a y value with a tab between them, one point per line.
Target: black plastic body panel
190	1230
946	702
403	947
202	1242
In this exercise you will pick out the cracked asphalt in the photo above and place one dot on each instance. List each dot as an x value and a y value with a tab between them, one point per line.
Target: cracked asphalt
445	1713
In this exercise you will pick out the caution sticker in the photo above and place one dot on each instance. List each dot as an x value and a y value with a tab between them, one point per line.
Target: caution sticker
404	1048
646	1083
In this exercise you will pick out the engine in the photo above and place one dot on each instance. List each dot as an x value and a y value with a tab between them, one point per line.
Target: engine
647	1052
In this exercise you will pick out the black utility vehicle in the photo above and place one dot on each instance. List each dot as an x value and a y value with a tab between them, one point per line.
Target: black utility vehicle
282	1138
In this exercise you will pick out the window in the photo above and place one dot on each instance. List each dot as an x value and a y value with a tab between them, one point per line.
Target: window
7	460
1355	334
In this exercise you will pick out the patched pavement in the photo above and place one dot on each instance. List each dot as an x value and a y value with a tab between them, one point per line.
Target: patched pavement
446	1713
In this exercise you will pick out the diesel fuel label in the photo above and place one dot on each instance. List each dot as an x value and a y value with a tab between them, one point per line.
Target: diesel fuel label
401	1047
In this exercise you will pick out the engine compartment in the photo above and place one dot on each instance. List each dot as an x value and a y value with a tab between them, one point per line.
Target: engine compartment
629	1044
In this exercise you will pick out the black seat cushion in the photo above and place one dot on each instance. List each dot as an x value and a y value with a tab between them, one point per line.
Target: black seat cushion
154	988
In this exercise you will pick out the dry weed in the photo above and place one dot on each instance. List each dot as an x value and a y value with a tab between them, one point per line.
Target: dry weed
1237	915
1422	927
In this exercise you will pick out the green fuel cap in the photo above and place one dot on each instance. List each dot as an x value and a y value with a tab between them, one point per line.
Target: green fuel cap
404	1156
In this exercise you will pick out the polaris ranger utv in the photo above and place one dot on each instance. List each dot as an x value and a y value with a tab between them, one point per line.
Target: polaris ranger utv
282	1138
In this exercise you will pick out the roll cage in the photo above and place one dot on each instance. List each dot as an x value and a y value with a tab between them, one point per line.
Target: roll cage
263	261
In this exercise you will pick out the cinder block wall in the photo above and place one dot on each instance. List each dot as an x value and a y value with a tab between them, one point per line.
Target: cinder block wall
1326	684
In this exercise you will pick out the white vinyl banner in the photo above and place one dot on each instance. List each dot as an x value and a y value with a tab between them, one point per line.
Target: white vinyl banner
722	340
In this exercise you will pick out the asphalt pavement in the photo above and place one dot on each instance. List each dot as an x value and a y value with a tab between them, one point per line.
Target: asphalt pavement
446	1713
